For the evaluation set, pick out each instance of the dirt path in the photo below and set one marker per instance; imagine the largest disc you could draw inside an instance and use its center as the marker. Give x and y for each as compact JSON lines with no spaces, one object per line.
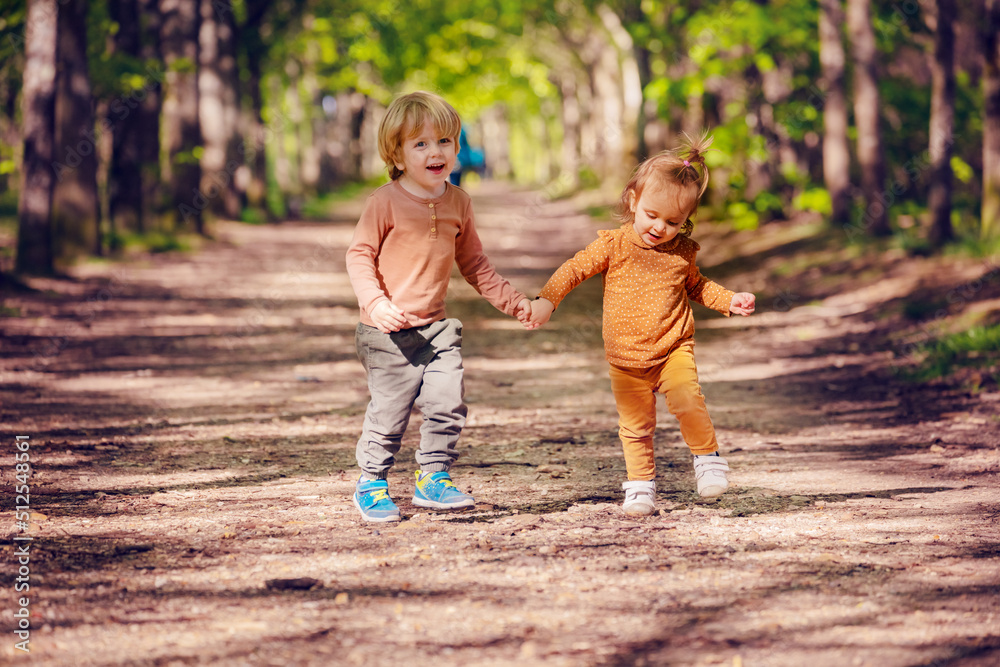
{"x":192,"y":422}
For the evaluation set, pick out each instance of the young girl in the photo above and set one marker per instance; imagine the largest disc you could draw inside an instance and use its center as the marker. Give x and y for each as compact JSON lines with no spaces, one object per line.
{"x":649,"y":277}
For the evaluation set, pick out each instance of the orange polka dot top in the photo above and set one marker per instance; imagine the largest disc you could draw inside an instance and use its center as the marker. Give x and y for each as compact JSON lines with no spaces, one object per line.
{"x":646,"y":293}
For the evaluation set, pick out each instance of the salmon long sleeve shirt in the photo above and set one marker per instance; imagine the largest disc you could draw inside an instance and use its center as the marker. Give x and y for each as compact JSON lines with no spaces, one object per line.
{"x":646,"y":293}
{"x":405,"y":246}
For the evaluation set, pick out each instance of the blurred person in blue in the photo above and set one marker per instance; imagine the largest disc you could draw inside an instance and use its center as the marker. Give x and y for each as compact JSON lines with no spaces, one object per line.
{"x":469,"y":159}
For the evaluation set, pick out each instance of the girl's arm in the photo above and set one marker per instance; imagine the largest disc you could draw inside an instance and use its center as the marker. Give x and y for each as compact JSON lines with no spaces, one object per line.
{"x":708,"y":293}
{"x":590,"y":261}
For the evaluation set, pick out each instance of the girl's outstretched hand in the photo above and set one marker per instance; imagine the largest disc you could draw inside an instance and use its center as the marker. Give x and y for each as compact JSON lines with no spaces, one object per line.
{"x":743,"y":304}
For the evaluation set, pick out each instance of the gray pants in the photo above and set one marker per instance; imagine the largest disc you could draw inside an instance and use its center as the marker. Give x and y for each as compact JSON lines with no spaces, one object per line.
{"x":419,"y":367}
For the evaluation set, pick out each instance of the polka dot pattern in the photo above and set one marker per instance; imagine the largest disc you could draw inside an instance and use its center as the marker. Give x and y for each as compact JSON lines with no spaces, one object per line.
{"x":647,"y":293}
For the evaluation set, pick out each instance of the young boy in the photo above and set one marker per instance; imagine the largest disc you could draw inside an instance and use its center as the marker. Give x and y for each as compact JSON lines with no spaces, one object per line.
{"x":411,"y":232}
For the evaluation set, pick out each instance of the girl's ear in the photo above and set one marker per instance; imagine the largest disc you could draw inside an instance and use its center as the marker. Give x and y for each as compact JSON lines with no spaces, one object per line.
{"x":631,"y":201}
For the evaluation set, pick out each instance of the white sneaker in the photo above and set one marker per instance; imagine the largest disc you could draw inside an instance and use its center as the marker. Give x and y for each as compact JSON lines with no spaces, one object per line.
{"x":640,"y":497}
{"x":710,"y":474}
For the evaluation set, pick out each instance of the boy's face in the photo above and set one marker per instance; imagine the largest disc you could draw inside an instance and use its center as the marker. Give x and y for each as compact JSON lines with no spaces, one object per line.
{"x":660,"y":212}
{"x":427,"y":160}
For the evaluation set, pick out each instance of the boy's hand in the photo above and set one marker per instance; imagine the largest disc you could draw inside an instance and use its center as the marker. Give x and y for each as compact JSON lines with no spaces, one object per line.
{"x":743,"y":304}
{"x":387,"y":316}
{"x":523,"y":314}
{"x":541,"y":311}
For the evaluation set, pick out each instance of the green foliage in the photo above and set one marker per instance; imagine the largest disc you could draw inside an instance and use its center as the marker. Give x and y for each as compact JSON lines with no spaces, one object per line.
{"x":8,"y":203}
{"x":154,"y":242}
{"x":768,"y":204}
{"x":324,"y":206}
{"x":979,"y":347}
{"x":814,"y":199}
{"x":253,"y":216}
{"x":588,"y":178}
{"x":963,"y":170}
{"x":749,"y":70}
{"x":742,"y":215}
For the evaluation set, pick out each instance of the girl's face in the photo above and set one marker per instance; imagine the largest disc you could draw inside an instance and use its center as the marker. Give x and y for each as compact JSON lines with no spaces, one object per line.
{"x":661,"y":211}
{"x":427,"y":160}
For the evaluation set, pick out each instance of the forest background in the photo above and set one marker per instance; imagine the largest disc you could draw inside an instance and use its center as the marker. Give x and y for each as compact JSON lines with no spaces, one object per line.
{"x":136,"y":123}
{"x":141,"y":120}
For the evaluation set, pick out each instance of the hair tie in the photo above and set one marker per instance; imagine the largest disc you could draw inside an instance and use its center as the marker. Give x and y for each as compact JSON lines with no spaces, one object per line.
{"x":686,"y":163}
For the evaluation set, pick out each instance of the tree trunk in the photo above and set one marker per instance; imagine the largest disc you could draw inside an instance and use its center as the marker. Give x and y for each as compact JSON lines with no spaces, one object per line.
{"x":339,"y":161}
{"x":570,"y":110}
{"x":367,"y":121}
{"x":286,"y":174}
{"x":629,"y":89}
{"x":875,"y":219}
{"x":632,"y":14}
{"x":254,"y":153}
{"x":34,"y":239}
{"x":148,"y":113}
{"x":309,"y":156}
{"x":942,"y":125}
{"x":218,"y":107}
{"x":76,"y":214}
{"x":496,"y":143}
{"x":181,"y":129}
{"x":836,"y":151}
{"x":990,"y":224}
{"x":763,"y":175}
{"x":125,"y":171}
{"x":256,"y":191}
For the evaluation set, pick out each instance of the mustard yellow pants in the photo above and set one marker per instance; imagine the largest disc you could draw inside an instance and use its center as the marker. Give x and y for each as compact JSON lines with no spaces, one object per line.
{"x":635,"y":392}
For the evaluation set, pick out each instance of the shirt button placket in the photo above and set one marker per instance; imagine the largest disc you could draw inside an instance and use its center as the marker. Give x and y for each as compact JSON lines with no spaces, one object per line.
{"x":433,"y":220}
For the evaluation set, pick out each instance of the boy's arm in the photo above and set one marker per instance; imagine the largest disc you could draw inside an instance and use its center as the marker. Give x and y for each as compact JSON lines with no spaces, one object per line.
{"x":362,"y":255}
{"x":478,"y":271}
{"x":588,"y":262}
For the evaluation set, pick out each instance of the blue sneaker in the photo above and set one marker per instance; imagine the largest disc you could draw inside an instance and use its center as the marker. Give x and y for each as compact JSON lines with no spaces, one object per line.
{"x":437,"y":491}
{"x":372,"y":499}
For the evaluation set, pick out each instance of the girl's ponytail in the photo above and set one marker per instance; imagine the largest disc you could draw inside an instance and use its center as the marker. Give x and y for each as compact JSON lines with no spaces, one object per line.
{"x":692,"y":154}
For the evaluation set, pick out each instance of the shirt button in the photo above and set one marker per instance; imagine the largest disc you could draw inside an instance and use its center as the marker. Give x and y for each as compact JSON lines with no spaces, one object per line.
{"x":434,"y":217}
{"x":431,"y":205}
{"x":434,"y":229}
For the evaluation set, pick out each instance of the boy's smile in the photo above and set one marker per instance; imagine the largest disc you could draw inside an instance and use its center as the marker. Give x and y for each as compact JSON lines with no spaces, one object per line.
{"x":427,"y":160}
{"x":661,"y":212}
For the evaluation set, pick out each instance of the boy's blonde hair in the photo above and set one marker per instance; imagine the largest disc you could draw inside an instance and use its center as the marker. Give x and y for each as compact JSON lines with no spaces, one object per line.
{"x":681,"y":167}
{"x":406,"y":117}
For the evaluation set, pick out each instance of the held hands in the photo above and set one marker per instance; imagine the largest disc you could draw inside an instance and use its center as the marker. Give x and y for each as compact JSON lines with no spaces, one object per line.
{"x":743,"y":304}
{"x":523,"y":313}
{"x":387,"y":316}
{"x":541,"y":311}
{"x":533,"y":314}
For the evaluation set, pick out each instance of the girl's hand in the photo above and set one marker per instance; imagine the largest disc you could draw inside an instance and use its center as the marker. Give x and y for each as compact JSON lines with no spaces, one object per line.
{"x":743,"y":304}
{"x":387,"y":316}
{"x":523,"y":314}
{"x":541,"y":311}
